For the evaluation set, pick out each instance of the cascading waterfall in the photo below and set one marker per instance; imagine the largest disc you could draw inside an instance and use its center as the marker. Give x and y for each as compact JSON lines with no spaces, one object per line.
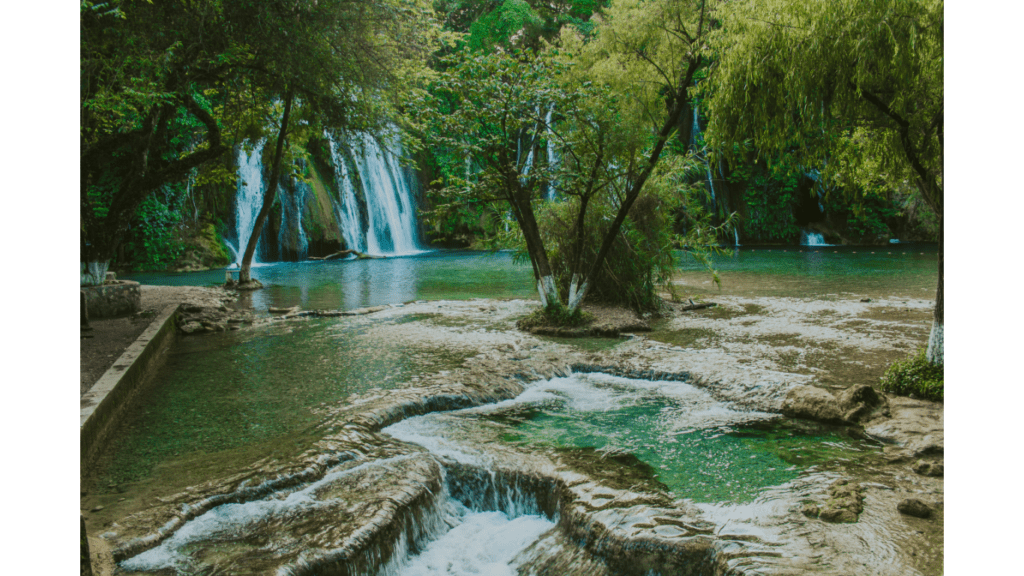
{"x":248,"y":200}
{"x":812,"y":239}
{"x":385,"y":223}
{"x":552,"y":155}
{"x":704,"y":159}
{"x":391,"y":218}
{"x":291,"y":211}
{"x":373,"y":207}
{"x":346,"y":207}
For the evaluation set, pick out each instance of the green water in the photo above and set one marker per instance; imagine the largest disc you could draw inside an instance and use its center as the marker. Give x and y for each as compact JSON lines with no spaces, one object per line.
{"x":348,"y":284}
{"x":673,"y":433}
{"x":255,"y":388}
{"x":902,"y":270}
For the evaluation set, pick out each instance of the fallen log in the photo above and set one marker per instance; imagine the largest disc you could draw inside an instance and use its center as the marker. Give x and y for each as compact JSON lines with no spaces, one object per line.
{"x":342,"y":254}
{"x":692,"y":306}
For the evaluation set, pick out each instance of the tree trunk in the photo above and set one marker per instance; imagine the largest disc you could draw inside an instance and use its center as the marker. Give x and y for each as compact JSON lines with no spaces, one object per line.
{"x":268,"y":196}
{"x":519,"y":200}
{"x":675,"y":113}
{"x":935,"y":339}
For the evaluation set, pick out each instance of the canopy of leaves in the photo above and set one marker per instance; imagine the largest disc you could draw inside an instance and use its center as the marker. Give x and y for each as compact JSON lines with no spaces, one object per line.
{"x":854,"y":87}
{"x":169,"y":86}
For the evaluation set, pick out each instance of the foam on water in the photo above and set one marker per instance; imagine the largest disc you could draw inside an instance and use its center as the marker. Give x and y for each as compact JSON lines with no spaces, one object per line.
{"x":484,"y":543}
{"x":688,"y":407}
{"x":231,"y":519}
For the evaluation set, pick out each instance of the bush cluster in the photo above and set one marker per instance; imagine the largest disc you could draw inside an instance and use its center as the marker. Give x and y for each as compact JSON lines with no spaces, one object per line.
{"x":555,"y":316}
{"x":914,"y":375}
{"x":641,"y":259}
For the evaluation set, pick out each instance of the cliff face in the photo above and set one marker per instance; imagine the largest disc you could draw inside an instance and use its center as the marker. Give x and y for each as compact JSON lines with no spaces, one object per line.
{"x":304,"y":222}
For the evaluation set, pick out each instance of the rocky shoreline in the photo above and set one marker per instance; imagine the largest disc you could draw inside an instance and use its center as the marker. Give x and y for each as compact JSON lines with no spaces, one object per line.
{"x":789,"y":356}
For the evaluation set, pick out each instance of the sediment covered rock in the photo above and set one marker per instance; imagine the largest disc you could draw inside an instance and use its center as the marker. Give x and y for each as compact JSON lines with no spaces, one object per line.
{"x":914,"y":507}
{"x":812,"y":403}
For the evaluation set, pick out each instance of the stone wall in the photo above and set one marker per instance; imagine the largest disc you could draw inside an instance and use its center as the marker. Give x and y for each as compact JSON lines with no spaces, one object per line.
{"x":112,"y":299}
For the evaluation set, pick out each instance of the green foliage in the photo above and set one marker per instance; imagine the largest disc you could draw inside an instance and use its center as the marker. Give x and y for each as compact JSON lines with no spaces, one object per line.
{"x":506,"y":26}
{"x":864,"y":220}
{"x":769,"y":199}
{"x":852,"y":87}
{"x":165,"y":85}
{"x":555,"y":316}
{"x":155,"y":242}
{"x":914,"y":375}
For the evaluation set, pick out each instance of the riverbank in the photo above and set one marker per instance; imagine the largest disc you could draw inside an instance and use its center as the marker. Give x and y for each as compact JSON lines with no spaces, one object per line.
{"x":100,"y":347}
{"x":748,"y":350}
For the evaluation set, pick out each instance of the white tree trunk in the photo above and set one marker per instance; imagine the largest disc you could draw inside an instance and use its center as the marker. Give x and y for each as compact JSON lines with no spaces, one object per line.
{"x":577,"y":290}
{"x":548,"y":292}
{"x":934,"y":353}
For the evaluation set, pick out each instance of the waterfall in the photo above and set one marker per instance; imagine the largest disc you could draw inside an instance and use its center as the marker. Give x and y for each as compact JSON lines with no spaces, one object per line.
{"x":704,"y":159}
{"x":291,"y":211}
{"x":346,"y":207}
{"x":812,"y":239}
{"x":248,"y":199}
{"x":374,"y":207}
{"x":552,"y":156}
{"x":391,"y":218}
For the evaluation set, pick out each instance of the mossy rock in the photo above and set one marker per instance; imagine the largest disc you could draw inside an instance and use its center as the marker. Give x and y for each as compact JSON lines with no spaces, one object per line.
{"x":205,"y":250}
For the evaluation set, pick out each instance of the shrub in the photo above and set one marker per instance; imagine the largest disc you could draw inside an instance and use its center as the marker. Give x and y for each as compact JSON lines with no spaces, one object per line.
{"x":914,"y":375}
{"x":641,"y":259}
{"x":559,"y":316}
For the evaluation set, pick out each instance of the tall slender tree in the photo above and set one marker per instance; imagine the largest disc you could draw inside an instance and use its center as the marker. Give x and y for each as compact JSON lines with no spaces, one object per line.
{"x":636,"y":75}
{"x":344,"y":63}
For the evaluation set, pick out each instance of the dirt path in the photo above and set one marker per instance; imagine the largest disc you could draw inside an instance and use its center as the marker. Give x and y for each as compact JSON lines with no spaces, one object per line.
{"x":100,"y":347}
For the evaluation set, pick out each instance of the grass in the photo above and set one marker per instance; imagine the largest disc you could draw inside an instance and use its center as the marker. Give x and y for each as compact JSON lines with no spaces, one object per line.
{"x":914,"y":375}
{"x":555,"y":316}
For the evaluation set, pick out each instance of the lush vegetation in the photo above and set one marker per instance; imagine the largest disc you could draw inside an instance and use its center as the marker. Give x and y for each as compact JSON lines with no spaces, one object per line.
{"x":653,"y":125}
{"x":168,"y":88}
{"x":914,"y":375}
{"x":852,"y":89}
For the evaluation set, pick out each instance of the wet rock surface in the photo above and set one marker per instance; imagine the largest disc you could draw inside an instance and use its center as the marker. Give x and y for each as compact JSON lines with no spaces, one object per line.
{"x":927,"y":468}
{"x":845,"y":502}
{"x":356,"y":489}
{"x":812,"y":403}
{"x":208,"y":317}
{"x":914,"y":507}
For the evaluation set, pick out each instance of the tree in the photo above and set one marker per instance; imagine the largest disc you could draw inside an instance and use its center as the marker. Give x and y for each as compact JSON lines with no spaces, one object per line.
{"x":147,"y":115}
{"x":495,"y":108}
{"x":647,"y":53}
{"x":491,"y":108}
{"x":851,"y":87}
{"x":163,"y":83}
{"x":342,"y":62}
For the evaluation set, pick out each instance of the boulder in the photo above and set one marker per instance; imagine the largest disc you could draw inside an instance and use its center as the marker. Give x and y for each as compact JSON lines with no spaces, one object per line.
{"x":926,"y":468}
{"x":914,"y":507}
{"x":860,"y":394}
{"x":845,"y":502}
{"x":837,"y":515}
{"x":812,"y":403}
{"x":860,"y":402}
{"x":810,"y":510}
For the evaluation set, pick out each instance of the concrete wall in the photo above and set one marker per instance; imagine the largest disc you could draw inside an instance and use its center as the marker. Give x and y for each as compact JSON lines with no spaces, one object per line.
{"x":112,"y":300}
{"x":104,"y":403}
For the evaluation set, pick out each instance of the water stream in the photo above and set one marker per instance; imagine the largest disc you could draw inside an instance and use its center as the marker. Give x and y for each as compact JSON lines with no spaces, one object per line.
{"x":246,"y":453}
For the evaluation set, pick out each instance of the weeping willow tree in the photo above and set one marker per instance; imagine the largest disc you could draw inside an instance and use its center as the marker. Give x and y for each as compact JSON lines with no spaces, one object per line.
{"x":853,"y":88}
